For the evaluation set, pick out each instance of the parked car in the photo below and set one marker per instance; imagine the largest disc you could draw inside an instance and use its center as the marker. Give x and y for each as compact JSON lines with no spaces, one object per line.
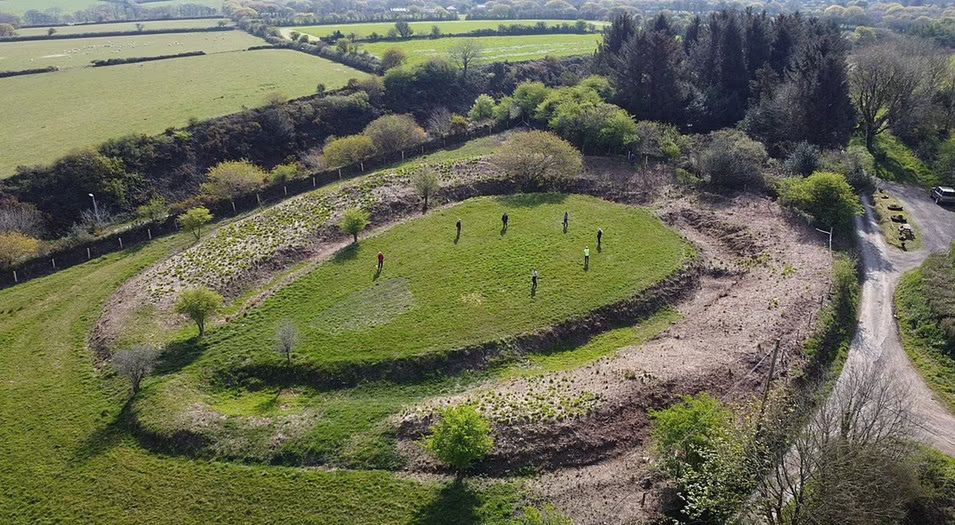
{"x":943,"y":195}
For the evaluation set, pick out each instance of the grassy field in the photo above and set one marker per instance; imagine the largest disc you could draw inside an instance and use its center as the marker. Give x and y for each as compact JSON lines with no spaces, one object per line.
{"x":925,"y":302}
{"x":198,"y":23}
{"x":65,"y":457}
{"x":890,"y":230}
{"x":18,"y":7}
{"x":81,"y":52}
{"x":348,"y":313}
{"x":495,"y":48}
{"x":448,"y":27}
{"x":894,"y":161}
{"x":56,"y":112}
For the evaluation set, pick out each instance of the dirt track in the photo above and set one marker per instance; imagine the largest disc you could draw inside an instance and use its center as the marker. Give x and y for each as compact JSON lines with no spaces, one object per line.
{"x":877,"y":343}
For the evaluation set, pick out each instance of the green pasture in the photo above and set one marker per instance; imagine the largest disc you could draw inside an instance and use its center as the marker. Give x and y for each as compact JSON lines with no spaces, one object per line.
{"x":80,"y":52}
{"x":54,"y":113}
{"x":65,"y":456}
{"x":494,"y":48}
{"x":448,"y":27}
{"x":185,"y":23}
{"x":437,"y":294}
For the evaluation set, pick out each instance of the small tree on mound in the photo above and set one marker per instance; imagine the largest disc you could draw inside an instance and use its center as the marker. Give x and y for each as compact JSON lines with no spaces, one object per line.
{"x":425,"y":183}
{"x":199,"y":304}
{"x":392,"y":57}
{"x":286,"y":339}
{"x":539,"y":159}
{"x":461,"y":438}
{"x":194,"y":219}
{"x":135,"y":364}
{"x":354,"y":221}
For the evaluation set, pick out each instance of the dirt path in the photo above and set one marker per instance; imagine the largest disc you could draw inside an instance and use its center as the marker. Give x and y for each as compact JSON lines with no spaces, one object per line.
{"x":877,"y":343}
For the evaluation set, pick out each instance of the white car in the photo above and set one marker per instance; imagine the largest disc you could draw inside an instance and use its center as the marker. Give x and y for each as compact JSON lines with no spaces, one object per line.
{"x":943,"y":195}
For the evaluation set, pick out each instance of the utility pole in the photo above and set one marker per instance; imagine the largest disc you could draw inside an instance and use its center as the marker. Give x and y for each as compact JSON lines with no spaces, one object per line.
{"x":829,"y":233}
{"x":95,"y":207}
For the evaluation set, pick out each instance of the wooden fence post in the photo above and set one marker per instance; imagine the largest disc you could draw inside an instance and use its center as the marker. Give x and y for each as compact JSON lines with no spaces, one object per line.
{"x":339,"y":173}
{"x":149,"y":232}
{"x":285,"y":189}
{"x":233,"y":206}
{"x":362,"y":165}
{"x":88,"y":254}
{"x":15,"y":277}
{"x":120,"y":242}
{"x":313,"y":181}
{"x":53,"y":262}
{"x":402,"y":154}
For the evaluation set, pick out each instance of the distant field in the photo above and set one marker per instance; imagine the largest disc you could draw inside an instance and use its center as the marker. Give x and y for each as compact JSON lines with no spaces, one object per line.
{"x":447,"y":27}
{"x":496,"y":48}
{"x":55,"y":112}
{"x":81,"y":51}
{"x":19,"y":7}
{"x":122,"y":26}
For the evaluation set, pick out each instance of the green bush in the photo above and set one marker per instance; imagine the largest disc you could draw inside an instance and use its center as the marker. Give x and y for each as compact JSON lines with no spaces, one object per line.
{"x":395,"y":133}
{"x":683,"y":433}
{"x":353,"y":222}
{"x":231,"y":179}
{"x":347,"y":150}
{"x":482,"y":109}
{"x":539,"y":159}
{"x":825,"y":196}
{"x":461,"y":438}
{"x":732,"y":160}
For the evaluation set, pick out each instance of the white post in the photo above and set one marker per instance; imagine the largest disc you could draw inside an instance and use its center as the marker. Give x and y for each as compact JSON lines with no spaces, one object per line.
{"x":362,"y":164}
{"x":233,"y":206}
{"x":53,"y":262}
{"x":313,"y":182}
{"x":15,"y":277}
{"x":120,"y":243}
{"x":149,"y":232}
{"x":285,"y":189}
{"x":88,"y":255}
{"x":258,"y":199}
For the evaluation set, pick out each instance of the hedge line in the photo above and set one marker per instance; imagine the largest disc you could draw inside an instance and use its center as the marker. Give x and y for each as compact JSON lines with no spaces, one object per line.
{"x":48,"y":69}
{"x":27,"y":38}
{"x":133,"y":60}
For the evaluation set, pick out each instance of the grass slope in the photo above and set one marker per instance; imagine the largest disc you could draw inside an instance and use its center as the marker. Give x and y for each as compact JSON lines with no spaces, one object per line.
{"x":923,"y":337}
{"x":80,"y":52}
{"x":438,"y":295}
{"x":64,"y":455}
{"x":448,"y":27}
{"x":495,"y":48}
{"x":136,"y":98}
{"x":185,"y":23}
{"x":894,"y":161}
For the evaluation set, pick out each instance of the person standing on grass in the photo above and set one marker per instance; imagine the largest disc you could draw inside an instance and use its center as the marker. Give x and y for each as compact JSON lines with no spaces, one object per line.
{"x":533,"y":282}
{"x":600,"y":236}
{"x":381,"y":261}
{"x":586,"y":258}
{"x":566,"y":221}
{"x":504,"y":221}
{"x":458,"y":226}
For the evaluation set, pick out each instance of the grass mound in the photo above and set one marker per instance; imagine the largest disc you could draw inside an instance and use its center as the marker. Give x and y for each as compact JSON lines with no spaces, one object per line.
{"x":437,"y":293}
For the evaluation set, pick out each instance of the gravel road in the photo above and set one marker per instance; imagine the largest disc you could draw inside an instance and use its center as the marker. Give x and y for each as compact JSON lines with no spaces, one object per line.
{"x":877,"y":343}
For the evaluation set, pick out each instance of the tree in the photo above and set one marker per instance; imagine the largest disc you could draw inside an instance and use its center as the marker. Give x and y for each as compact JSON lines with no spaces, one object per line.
{"x":683,"y":432}
{"x":21,"y":217}
{"x":285,"y":172}
{"x":395,"y":132}
{"x":425,"y":183}
{"x":51,"y":31}
{"x":7,"y":30}
{"x":15,"y":247}
{"x":194,"y":219}
{"x":348,"y":150}
{"x":198,"y":304}
{"x":135,"y":364}
{"x":353,"y":222}
{"x":461,"y":438}
{"x":234,"y":178}
{"x":733,"y":160}
{"x":392,"y":57}
{"x":826,"y":196}
{"x":153,"y":211}
{"x":803,"y":160}
{"x":465,"y":53}
{"x":403,"y":29}
{"x":888,"y":80}
{"x":649,"y":77}
{"x":539,"y":159}
{"x":439,"y":122}
{"x":483,"y":108}
{"x":286,"y":339}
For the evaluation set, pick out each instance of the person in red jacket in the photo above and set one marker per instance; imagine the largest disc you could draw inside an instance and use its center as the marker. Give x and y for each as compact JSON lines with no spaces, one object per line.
{"x":381,"y":260}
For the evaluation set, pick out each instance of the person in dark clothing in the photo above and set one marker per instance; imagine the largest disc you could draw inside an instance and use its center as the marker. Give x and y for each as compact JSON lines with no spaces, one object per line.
{"x":504,"y":220}
{"x":566,"y":221}
{"x":534,"y":282}
{"x":600,"y":236}
{"x":381,"y":261}
{"x":458,"y":226}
